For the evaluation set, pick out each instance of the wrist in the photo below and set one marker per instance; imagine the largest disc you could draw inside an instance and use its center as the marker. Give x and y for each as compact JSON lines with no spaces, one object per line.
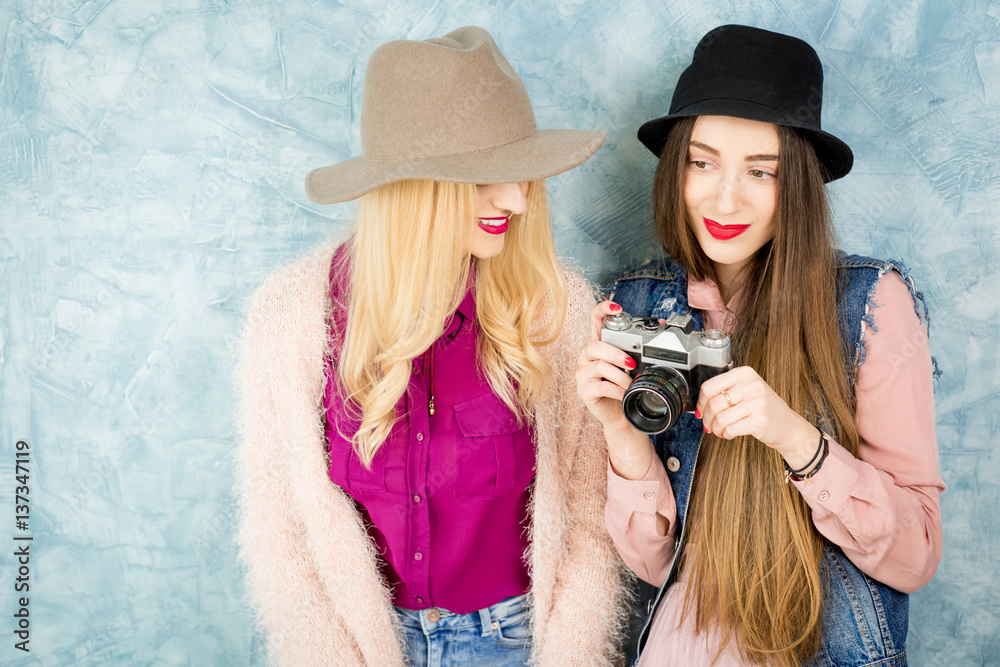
{"x":800,"y":447}
{"x":629,"y":452}
{"x":811,"y":467}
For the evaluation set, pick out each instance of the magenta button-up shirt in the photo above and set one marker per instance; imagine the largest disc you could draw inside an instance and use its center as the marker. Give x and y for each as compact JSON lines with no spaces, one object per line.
{"x":447,"y":494}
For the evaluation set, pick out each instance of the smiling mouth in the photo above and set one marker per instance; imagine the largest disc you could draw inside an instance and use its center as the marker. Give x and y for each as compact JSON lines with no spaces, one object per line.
{"x":724,"y":232}
{"x":495,"y":225}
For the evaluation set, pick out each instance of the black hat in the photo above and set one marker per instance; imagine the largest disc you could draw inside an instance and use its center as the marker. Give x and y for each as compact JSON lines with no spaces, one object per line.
{"x":758,"y":75}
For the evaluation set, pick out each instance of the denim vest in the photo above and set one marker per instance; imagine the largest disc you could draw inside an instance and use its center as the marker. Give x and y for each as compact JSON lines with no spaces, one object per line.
{"x":865,"y":622}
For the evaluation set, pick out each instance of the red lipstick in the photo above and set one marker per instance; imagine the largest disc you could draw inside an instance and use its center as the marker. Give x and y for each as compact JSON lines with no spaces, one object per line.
{"x":495,"y":227}
{"x":724,"y":232}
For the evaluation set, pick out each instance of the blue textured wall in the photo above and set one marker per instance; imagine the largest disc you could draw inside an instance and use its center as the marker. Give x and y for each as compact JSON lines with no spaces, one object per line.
{"x":153,"y":155}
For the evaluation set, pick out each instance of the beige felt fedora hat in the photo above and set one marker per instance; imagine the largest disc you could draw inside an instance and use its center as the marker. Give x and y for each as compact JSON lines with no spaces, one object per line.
{"x":448,"y":109}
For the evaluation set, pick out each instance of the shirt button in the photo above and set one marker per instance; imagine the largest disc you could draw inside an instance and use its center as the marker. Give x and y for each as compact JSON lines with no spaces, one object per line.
{"x":420,"y":600}
{"x":420,"y":437}
{"x":673,"y":464}
{"x":417,"y":498}
{"x":824,"y":495}
{"x":433,"y":615}
{"x":418,"y":556}
{"x":648,"y":495}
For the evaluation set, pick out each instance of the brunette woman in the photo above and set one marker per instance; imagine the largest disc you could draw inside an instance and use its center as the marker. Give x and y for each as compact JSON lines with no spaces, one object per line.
{"x":788,"y":516}
{"x":414,"y":460}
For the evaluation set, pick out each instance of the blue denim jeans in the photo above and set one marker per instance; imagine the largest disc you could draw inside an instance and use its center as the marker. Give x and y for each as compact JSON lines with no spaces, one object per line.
{"x":498,"y":635}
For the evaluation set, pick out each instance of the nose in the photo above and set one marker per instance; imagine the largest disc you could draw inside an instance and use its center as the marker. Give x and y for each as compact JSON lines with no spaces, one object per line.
{"x":511,"y":197}
{"x":729,"y":196}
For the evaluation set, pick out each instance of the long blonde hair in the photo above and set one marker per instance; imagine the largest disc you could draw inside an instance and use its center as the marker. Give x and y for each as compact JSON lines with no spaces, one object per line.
{"x":409,"y":270}
{"x":753,"y":562}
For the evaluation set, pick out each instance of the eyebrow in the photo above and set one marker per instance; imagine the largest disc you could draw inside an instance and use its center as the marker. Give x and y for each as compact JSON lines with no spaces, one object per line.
{"x":759,"y":157}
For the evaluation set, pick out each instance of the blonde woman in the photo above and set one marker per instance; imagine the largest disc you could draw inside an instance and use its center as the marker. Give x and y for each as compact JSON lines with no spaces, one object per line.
{"x":788,"y":514}
{"x":418,"y":482}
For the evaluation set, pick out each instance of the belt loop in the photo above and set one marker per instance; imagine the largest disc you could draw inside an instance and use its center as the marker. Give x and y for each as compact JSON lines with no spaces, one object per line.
{"x":486,"y":622}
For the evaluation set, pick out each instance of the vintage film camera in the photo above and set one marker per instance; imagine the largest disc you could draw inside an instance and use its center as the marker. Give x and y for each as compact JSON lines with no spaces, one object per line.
{"x":672,"y":360}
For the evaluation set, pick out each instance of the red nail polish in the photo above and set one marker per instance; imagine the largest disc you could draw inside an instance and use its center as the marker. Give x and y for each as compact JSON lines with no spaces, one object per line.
{"x":614,"y":307}
{"x":697,"y":413}
{"x":630,"y":362}
{"x":706,"y":428}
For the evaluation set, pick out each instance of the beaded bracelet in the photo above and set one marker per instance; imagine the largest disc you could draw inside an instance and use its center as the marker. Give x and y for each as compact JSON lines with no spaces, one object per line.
{"x":821,"y":452}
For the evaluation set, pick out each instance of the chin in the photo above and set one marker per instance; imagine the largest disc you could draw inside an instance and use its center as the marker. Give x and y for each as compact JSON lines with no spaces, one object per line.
{"x":485,"y":255}
{"x":492,"y":248}
{"x":722,"y":256}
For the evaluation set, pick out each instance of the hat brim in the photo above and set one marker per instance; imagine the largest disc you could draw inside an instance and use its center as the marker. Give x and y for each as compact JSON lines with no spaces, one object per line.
{"x":834,"y":155}
{"x":543,"y":154}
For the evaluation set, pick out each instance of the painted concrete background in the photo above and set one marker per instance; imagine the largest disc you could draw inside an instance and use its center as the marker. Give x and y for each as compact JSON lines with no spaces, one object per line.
{"x":153,"y":156}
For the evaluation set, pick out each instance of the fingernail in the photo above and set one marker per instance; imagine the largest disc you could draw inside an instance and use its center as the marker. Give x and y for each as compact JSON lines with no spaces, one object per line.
{"x":705,"y":427}
{"x":614,"y":307}
{"x":697,"y":413}
{"x":630,"y":362}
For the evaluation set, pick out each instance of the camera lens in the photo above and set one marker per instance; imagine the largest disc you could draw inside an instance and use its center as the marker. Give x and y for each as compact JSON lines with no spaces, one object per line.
{"x":651,"y":405}
{"x":655,"y":399}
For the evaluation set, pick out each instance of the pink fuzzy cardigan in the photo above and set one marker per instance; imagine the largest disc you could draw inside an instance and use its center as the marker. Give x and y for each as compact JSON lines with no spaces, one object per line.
{"x":311,"y":572}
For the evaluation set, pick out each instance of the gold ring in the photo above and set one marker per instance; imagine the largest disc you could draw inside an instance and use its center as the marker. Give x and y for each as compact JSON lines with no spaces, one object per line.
{"x":725,"y":394}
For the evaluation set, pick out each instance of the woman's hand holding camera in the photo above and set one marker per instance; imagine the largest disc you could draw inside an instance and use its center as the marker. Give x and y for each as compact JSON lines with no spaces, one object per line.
{"x":601,"y":381}
{"x":739,"y":402}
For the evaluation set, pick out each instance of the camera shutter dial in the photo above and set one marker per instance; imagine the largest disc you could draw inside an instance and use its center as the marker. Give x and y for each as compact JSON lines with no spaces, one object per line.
{"x":715,"y":338}
{"x":618,"y":322}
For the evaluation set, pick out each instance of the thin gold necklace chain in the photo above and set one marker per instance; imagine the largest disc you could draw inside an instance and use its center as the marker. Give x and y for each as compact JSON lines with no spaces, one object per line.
{"x":430,"y":389}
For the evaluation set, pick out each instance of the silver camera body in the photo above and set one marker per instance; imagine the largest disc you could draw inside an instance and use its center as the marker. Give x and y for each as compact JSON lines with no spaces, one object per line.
{"x":672,"y":361}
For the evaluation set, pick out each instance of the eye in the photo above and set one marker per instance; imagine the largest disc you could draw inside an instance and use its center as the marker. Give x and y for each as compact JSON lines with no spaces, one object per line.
{"x":761,"y":175}
{"x":699,"y":164}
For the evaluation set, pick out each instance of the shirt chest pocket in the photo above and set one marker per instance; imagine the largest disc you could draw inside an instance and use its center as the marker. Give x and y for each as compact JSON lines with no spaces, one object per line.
{"x":495,"y":455}
{"x":349,"y":473}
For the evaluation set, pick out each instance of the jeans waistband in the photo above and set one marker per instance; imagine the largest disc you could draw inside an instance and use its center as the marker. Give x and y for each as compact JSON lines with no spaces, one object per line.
{"x":484,"y":617}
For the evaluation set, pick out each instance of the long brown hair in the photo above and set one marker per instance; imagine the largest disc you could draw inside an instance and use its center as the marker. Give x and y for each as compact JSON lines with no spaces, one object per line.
{"x":752,"y":564}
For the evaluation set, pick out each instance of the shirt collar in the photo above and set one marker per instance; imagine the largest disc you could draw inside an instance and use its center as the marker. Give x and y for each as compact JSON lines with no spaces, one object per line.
{"x":705,"y":295}
{"x":466,"y":310}
{"x":467,"y":307}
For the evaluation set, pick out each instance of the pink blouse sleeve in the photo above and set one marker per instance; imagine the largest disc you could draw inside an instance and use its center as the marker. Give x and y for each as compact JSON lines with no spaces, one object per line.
{"x":630,"y":515}
{"x":884,"y":509}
